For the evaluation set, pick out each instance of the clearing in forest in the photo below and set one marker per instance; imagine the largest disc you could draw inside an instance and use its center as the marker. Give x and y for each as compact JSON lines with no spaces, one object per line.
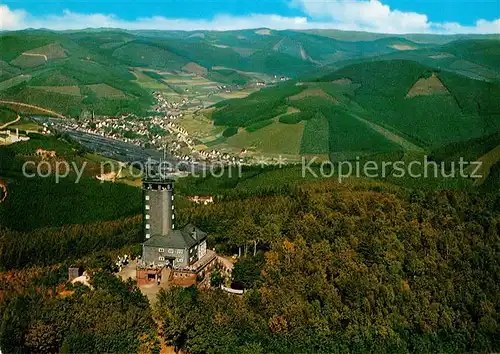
{"x":314,"y":91}
{"x":427,"y":86}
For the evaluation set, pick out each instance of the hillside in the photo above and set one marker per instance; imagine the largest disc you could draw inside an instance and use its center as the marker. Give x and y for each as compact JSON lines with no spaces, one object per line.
{"x":475,"y":58}
{"x":347,"y":268}
{"x":378,"y":106}
{"x":48,"y":202}
{"x":54,"y":69}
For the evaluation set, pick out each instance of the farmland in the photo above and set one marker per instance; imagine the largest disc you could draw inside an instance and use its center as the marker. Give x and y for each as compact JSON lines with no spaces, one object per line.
{"x":268,"y":91}
{"x":274,"y":138}
{"x":386,"y":107}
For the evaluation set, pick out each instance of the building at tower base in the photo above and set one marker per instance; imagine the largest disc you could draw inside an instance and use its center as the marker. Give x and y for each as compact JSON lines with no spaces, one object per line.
{"x":182,"y":252}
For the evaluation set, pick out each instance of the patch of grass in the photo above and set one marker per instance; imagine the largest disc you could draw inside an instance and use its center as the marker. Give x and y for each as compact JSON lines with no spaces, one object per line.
{"x":469,"y":150}
{"x":66,"y":202}
{"x":149,"y":55}
{"x":52,"y":78}
{"x":230,"y":77}
{"x":28,"y":61}
{"x":52,"y":51}
{"x":107,"y":91}
{"x":274,"y":138}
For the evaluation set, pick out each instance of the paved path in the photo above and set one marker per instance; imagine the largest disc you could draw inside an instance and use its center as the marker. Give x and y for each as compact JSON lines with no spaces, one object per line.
{"x":35,"y":107}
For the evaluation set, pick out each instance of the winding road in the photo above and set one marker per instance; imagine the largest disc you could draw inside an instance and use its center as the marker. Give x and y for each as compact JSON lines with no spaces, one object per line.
{"x":34,"y":107}
{"x":10,"y":123}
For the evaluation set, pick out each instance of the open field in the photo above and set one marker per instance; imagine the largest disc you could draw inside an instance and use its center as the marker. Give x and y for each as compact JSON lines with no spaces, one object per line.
{"x":26,"y":61}
{"x":272,"y":139}
{"x":105,"y":90}
{"x":49,"y":51}
{"x":199,"y":126}
{"x":27,"y":108}
{"x":427,"y":86}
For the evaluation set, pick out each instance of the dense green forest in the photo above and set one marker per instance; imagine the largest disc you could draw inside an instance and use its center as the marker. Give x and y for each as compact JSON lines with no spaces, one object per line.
{"x":347,"y":268}
{"x":112,"y":317}
{"x":359,"y":266}
{"x":47,"y":202}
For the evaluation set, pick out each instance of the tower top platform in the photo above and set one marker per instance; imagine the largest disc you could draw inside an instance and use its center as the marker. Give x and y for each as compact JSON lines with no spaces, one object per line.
{"x":158,"y":171}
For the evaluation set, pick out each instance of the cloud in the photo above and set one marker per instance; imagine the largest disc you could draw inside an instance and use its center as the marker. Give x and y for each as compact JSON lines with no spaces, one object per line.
{"x":11,"y":19}
{"x":360,"y":15}
{"x":68,"y":20}
{"x":364,"y":15}
{"x":374,"y":16}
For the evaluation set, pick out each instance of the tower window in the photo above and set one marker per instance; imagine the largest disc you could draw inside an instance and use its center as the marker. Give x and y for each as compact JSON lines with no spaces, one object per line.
{"x":161,"y":258}
{"x":170,"y":250}
{"x":161,"y":250}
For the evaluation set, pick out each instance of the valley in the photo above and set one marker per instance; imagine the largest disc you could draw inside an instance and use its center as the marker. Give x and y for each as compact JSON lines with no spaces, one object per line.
{"x":298,"y":246}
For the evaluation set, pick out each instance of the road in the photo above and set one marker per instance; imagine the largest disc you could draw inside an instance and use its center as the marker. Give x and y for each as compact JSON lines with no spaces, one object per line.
{"x":34,"y":107}
{"x":36,"y":55}
{"x":10,"y":123}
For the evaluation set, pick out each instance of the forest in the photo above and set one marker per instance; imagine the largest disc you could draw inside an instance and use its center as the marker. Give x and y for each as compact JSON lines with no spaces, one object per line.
{"x":347,"y":269}
{"x":327,"y":267}
{"x":112,"y":317}
{"x":360,"y":266}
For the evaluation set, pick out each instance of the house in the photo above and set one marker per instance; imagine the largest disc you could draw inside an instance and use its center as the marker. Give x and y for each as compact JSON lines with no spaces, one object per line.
{"x":177,"y":249}
{"x":202,"y":200}
{"x":183,"y":251}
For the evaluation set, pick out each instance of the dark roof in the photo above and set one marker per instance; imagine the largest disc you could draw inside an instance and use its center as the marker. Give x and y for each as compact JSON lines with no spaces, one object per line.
{"x":185,"y":238}
{"x":194,"y":232}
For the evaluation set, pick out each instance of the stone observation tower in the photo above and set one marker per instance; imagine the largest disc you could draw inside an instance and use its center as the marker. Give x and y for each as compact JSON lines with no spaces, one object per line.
{"x":183,"y":250}
{"x":158,"y":201}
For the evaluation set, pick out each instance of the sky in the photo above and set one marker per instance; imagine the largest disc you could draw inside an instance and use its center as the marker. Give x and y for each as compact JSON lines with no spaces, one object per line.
{"x":383,"y":16}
